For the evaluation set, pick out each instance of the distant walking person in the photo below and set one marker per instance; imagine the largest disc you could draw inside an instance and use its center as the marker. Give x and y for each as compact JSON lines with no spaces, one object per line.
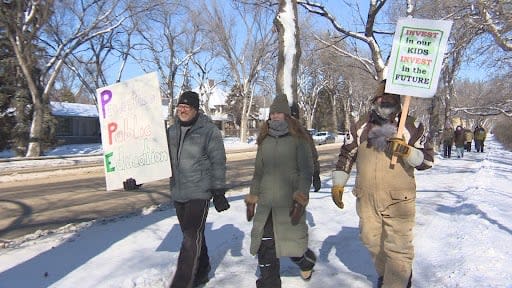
{"x":447,"y":142}
{"x":386,"y":197}
{"x":468,"y":137}
{"x":279,"y":195}
{"x":198,"y":174}
{"x":480,"y":135}
{"x":458,"y":138}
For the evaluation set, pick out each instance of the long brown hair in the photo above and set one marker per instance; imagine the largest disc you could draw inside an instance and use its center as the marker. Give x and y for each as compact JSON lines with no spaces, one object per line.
{"x":294,"y":128}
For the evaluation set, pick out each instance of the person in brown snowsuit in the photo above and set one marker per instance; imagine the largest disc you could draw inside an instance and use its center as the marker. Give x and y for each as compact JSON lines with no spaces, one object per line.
{"x":386,"y":196}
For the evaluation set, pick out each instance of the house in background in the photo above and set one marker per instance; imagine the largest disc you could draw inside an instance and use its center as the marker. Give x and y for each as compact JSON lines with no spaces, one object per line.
{"x":76,"y":123}
{"x":213,"y":103}
{"x":79,"y":123}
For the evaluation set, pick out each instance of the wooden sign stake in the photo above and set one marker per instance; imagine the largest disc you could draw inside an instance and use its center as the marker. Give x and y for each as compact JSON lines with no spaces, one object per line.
{"x":401,"y":126}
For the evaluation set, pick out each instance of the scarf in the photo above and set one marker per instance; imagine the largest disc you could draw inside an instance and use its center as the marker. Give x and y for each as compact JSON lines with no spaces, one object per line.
{"x":277,"y":128}
{"x":378,"y":136}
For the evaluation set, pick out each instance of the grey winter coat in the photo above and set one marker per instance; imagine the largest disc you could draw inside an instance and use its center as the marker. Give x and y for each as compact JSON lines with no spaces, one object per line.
{"x":201,"y":164}
{"x":284,"y":165}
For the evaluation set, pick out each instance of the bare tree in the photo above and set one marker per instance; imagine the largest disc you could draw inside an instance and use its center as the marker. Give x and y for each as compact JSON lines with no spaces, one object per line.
{"x":168,"y":46}
{"x":244,"y":57}
{"x":74,"y":23}
{"x":376,"y":64}
{"x":484,"y":100}
{"x":496,"y":19}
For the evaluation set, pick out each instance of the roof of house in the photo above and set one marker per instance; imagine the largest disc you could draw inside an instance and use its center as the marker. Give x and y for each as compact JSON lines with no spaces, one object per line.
{"x":66,"y":109}
{"x":217,"y":97}
{"x":73,"y":109}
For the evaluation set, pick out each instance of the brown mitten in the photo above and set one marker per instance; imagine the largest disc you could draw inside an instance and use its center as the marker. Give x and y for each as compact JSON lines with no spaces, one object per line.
{"x":300,"y":200}
{"x":296,"y":212}
{"x":399,"y":147}
{"x":337,"y":195}
{"x":250,"y":202}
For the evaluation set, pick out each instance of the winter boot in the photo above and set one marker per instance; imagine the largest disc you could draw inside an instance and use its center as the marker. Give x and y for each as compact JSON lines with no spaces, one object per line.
{"x":306,"y":264}
{"x":380,"y":281}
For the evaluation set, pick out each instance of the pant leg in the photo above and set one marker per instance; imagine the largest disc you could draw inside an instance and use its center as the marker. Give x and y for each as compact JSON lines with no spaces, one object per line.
{"x":193,"y":253}
{"x":398,"y":223}
{"x":268,"y":262}
{"x":459,"y":151}
{"x":203,"y":268}
{"x":478,"y":145}
{"x":370,"y":229}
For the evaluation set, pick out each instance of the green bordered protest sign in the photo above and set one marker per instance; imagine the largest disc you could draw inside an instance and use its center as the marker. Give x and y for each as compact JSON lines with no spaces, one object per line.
{"x":416,"y":56}
{"x":133,"y":131}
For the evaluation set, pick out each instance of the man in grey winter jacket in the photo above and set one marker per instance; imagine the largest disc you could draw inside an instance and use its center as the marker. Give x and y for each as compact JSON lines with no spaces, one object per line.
{"x":198,"y":162}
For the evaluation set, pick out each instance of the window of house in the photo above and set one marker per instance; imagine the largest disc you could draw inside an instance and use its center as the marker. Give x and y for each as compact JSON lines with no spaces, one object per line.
{"x":64,"y":126}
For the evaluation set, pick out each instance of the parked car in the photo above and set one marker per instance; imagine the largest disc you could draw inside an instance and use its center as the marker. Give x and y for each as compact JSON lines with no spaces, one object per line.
{"x":311,"y":131}
{"x":324,"y":137}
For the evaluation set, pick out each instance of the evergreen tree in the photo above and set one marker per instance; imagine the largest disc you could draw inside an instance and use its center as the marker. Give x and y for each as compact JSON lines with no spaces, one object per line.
{"x":7,"y":89}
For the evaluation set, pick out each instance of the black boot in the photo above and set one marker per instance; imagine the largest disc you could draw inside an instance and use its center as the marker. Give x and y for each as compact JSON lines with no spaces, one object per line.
{"x":306,"y":264}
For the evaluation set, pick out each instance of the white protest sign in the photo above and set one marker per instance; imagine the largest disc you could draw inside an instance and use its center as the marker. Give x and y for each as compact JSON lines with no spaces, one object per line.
{"x":133,"y":131}
{"x":416,"y":56}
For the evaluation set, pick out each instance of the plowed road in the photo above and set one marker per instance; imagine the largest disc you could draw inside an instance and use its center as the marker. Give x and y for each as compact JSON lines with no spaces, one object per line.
{"x":79,"y":195}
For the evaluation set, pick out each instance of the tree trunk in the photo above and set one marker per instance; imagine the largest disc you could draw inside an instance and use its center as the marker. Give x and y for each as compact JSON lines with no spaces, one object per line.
{"x":245,"y":113}
{"x":334,"y":112}
{"x":243,"y":128}
{"x":288,"y":58}
{"x":34,"y":144}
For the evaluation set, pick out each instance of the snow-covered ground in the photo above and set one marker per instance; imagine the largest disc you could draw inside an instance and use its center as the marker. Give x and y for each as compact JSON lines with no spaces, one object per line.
{"x":463,"y":236}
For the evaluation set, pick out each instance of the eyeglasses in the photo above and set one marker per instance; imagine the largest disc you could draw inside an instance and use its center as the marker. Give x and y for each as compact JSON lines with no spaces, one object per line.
{"x":184,"y":107}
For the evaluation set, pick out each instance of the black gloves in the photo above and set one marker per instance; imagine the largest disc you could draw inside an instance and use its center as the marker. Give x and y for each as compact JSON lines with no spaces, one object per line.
{"x":219,"y":200}
{"x":317,"y":184}
{"x":131,"y":184}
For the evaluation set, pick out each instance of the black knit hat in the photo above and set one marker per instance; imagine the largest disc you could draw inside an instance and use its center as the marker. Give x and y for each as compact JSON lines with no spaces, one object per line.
{"x":280,"y":104}
{"x":190,"y":98}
